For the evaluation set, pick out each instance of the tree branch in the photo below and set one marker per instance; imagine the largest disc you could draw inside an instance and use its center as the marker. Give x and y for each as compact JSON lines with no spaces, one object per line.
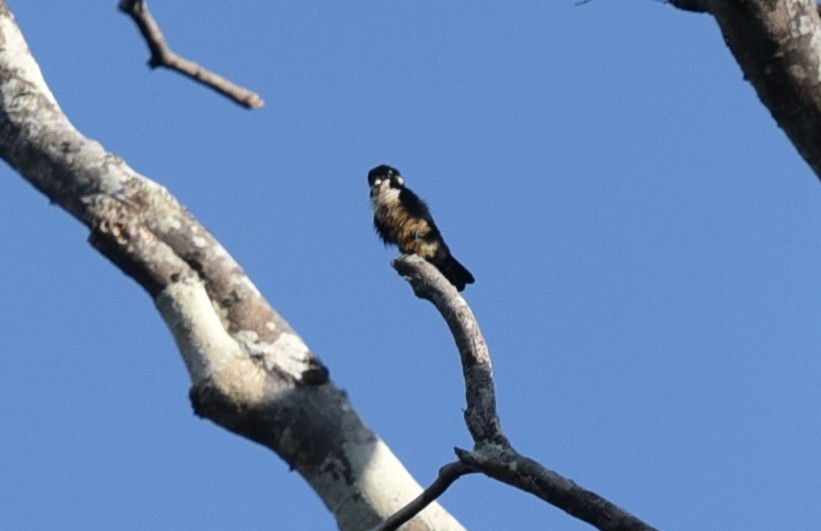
{"x":480,"y":415}
{"x":447,"y":475}
{"x":508,"y":466}
{"x":493,"y":455}
{"x":251,"y":373}
{"x":777,"y":44}
{"x":162,"y":55}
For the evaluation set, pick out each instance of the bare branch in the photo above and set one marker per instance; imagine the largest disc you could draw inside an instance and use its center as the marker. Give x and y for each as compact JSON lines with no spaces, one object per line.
{"x":493,"y":454}
{"x":508,"y":466}
{"x":447,"y":475}
{"x":776,"y":44}
{"x":428,"y":283}
{"x":250,"y":371}
{"x":162,"y":55}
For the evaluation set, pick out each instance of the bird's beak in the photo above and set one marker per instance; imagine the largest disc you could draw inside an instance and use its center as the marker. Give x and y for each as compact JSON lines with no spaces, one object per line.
{"x":377,"y":186}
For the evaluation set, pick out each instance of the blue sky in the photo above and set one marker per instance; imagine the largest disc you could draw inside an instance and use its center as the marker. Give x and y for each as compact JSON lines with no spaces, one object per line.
{"x":644,"y":238}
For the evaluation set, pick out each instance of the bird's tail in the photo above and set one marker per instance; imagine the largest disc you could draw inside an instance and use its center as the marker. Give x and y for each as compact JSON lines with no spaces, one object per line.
{"x":455,"y":272}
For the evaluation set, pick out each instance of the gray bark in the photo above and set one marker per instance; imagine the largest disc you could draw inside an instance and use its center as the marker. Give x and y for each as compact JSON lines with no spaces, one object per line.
{"x":250,"y":371}
{"x":777,"y":44}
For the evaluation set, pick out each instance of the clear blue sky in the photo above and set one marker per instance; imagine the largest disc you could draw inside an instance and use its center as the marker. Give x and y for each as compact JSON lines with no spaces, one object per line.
{"x":645,"y":241}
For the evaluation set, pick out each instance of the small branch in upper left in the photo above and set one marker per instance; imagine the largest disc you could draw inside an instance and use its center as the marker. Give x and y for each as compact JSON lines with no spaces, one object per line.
{"x":163,"y":55}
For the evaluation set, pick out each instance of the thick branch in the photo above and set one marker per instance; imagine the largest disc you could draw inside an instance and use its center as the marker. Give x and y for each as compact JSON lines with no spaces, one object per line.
{"x":251,"y":372}
{"x":777,"y":43}
{"x":163,"y":55}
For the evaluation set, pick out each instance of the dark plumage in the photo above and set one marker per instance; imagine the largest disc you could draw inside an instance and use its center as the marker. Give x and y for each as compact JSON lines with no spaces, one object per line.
{"x":401,"y":218}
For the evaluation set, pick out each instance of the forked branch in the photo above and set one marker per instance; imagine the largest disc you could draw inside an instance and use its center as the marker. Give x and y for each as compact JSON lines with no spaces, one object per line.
{"x":493,"y":454}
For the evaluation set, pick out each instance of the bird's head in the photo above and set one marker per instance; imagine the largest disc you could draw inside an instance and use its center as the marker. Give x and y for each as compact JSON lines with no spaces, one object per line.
{"x":383,"y":179}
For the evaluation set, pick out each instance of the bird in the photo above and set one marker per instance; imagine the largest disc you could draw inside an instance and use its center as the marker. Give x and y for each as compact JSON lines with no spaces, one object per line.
{"x":401,"y":218}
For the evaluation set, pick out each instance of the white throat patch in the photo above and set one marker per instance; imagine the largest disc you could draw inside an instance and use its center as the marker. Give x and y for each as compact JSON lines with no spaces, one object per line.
{"x":385,"y":196}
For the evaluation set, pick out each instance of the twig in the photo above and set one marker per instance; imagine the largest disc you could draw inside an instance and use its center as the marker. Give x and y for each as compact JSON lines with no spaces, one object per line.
{"x":447,"y":475}
{"x":493,"y":455}
{"x":162,"y":55}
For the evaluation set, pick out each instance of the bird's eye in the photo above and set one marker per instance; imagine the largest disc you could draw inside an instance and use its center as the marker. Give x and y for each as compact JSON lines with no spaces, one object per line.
{"x":377,"y":182}
{"x":400,"y":180}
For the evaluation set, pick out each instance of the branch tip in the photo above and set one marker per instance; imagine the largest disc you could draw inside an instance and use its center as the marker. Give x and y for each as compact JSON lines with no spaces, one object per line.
{"x":163,"y":56}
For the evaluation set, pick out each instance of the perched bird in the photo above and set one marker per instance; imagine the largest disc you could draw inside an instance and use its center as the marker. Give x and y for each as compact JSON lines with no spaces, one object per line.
{"x":402,"y":219}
